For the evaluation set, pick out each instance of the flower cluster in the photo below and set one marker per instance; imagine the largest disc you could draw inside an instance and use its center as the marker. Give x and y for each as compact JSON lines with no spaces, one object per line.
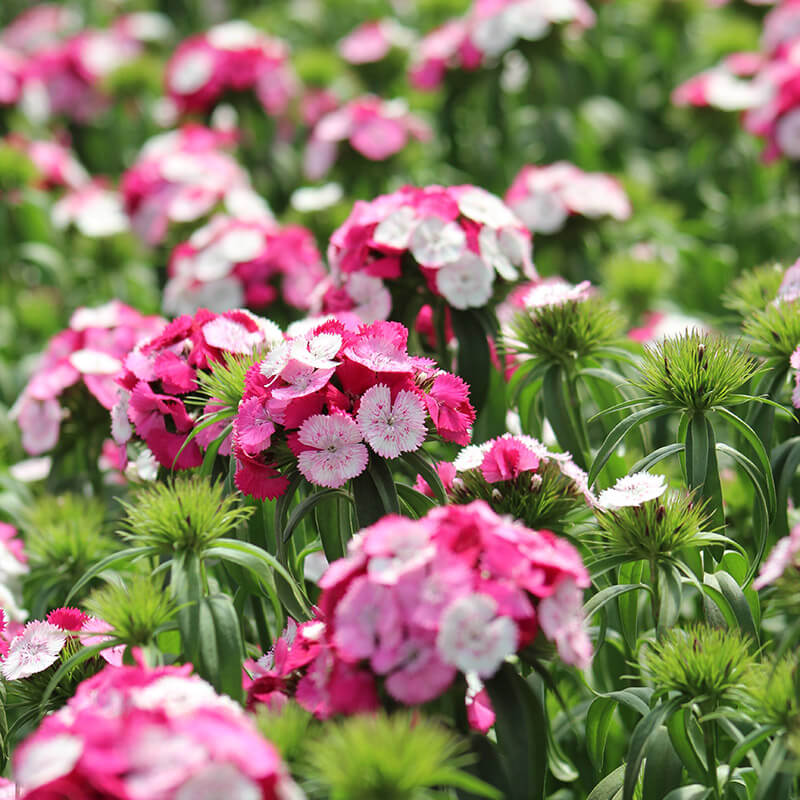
{"x":156,"y":733}
{"x":182,"y":175}
{"x":233,"y":56}
{"x":13,"y":565}
{"x":329,"y":397}
{"x":516,"y":475}
{"x":766,"y":85}
{"x":544,"y":197}
{"x":160,"y":373}
{"x":40,"y":644}
{"x":459,"y":237}
{"x":373,"y":127}
{"x":50,"y":68}
{"x":490,"y":28}
{"x":88,"y":354}
{"x":233,"y":262}
{"x":415,"y":603}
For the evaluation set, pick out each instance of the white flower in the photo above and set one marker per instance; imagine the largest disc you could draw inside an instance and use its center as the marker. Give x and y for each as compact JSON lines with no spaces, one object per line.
{"x":45,"y":760}
{"x":233,"y":35}
{"x":471,"y":457}
{"x":542,"y":212}
{"x":633,"y":490}
{"x":316,"y":198}
{"x":391,"y":428}
{"x":242,"y":244}
{"x":556,"y":293}
{"x":395,"y":231}
{"x":121,"y":429}
{"x":492,"y":253}
{"x":435,"y":242}
{"x":466,"y":283}
{"x":217,"y":781}
{"x":472,"y":638}
{"x":373,"y":300}
{"x":243,"y":203}
{"x":479,"y":205}
{"x":33,"y":650}
{"x":95,"y":362}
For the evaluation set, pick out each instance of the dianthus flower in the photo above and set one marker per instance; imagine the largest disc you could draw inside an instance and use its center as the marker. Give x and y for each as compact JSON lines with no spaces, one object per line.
{"x":516,"y":475}
{"x":417,"y":602}
{"x":545,"y":197}
{"x":13,"y":565}
{"x":12,"y":66}
{"x":162,"y":371}
{"x":373,"y":127}
{"x":486,"y":31}
{"x":633,"y":490}
{"x":161,"y":734}
{"x":452,"y":242}
{"x":232,"y":263}
{"x":332,"y":394}
{"x":39,"y":26}
{"x":732,"y":85}
{"x":232,"y":56}
{"x":64,"y":78}
{"x":181,"y":176}
{"x":93,"y":208}
{"x":56,"y":165}
{"x":372,"y":41}
{"x":782,"y":558}
{"x":88,"y":354}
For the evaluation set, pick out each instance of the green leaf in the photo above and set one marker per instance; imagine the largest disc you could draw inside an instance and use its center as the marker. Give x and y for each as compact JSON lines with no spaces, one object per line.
{"x":774,"y":780}
{"x":693,"y":792}
{"x":649,"y":461}
{"x":521,"y":736}
{"x":750,"y":742}
{"x":643,"y":735}
{"x":597,"y":601}
{"x":682,"y":729}
{"x":610,"y":786}
{"x":785,"y":461}
{"x":557,"y":410}
{"x":758,"y":448}
{"x":374,"y":493}
{"x":186,"y":585}
{"x":474,"y":358}
{"x":420,"y":465}
{"x":419,"y":504}
{"x":618,"y":433}
{"x":305,"y":506}
{"x":328,"y":516}
{"x":671,"y":591}
{"x":130,"y":554}
{"x":629,"y":603}
{"x":598,"y":724}
{"x":662,"y":769}
{"x":230,"y":647}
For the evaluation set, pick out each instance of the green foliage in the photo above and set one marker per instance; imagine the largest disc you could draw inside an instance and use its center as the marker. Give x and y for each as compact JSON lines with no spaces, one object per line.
{"x":290,"y":728}
{"x":136,"y":609}
{"x":753,"y":291}
{"x":774,"y":331}
{"x":396,"y":757}
{"x":223,"y":384}
{"x":694,"y":371}
{"x":701,"y":662}
{"x":188,"y":514}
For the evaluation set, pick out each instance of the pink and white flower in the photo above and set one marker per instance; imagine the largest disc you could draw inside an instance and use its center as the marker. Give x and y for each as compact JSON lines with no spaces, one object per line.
{"x":335,"y":453}
{"x":34,"y":650}
{"x":391,"y":427}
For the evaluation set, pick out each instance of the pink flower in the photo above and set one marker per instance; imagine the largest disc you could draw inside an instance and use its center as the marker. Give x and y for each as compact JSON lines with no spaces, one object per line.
{"x":336,"y":452}
{"x":391,"y":428}
{"x":781,"y":558}
{"x":68,"y":619}
{"x":91,"y":633}
{"x":506,"y":460}
{"x":255,"y":478}
{"x":448,"y":404}
{"x":561,"y":619}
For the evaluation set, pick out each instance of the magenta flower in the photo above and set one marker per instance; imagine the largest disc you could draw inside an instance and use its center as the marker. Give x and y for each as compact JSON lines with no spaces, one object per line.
{"x":506,"y":459}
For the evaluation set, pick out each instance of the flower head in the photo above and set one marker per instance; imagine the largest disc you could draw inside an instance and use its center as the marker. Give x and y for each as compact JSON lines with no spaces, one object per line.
{"x":391,"y":427}
{"x":335,"y":453}
{"x":34,"y":650}
{"x":633,"y":490}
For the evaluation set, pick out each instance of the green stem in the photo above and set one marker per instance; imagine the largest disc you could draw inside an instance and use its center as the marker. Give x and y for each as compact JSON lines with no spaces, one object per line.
{"x":655,"y":596}
{"x":710,"y":742}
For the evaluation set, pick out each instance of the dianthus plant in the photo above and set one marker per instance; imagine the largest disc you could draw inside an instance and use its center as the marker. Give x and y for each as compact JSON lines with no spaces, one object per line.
{"x":333,"y":407}
{"x":700,"y":377}
{"x":557,"y":338}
